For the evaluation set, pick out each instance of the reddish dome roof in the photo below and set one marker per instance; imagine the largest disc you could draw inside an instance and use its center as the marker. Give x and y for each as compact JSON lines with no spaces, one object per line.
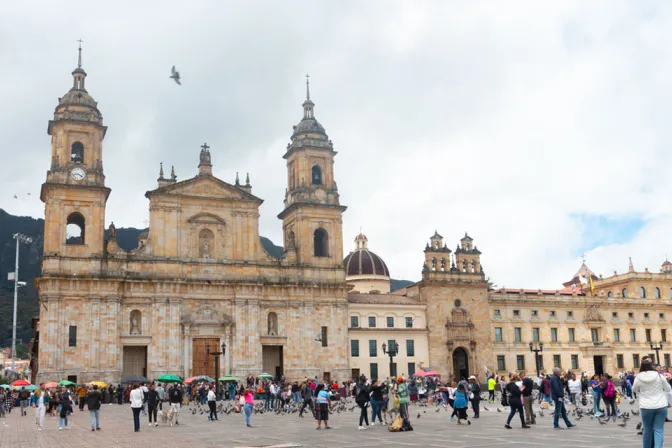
{"x":364,"y":262}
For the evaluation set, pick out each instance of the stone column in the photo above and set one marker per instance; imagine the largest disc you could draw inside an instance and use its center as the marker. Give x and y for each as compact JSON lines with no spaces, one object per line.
{"x":187,"y":352}
{"x":229,"y":349}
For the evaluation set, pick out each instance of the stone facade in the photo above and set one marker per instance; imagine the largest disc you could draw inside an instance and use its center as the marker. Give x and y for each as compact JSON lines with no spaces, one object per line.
{"x":377,"y":319}
{"x":199,"y":278}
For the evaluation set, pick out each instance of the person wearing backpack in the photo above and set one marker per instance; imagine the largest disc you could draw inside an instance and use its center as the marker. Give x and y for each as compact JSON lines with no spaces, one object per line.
{"x":362,"y":399}
{"x":609,"y":396}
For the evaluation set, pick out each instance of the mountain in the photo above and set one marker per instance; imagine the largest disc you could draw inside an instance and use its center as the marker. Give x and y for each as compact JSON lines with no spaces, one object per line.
{"x":30,"y":261}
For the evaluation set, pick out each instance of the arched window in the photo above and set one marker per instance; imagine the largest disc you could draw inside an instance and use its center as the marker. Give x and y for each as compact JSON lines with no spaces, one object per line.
{"x":624,"y":292}
{"x":657,"y":293}
{"x":206,"y":247}
{"x":433,"y":264}
{"x":473,"y":266}
{"x":321,"y":243}
{"x":610,"y":294}
{"x":464,"y":265}
{"x":75,"y":229}
{"x":443,"y":265}
{"x":77,"y":153}
{"x":135,"y":322}
{"x":272,"y":324}
{"x":317,"y":175}
{"x":642,"y":292}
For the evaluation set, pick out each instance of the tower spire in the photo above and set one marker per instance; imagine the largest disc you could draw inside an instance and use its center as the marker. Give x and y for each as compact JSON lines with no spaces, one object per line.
{"x":79,"y":75}
{"x":307,"y":86}
{"x":79,"y":59}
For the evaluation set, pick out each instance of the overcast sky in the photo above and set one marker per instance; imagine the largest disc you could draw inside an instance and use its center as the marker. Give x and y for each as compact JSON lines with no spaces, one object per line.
{"x":541,"y":128}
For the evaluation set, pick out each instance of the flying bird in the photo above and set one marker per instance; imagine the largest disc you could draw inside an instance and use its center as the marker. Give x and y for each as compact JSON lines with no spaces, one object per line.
{"x":175,"y":75}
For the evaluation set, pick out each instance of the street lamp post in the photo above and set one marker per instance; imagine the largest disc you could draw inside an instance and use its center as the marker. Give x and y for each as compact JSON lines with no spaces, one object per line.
{"x":657,"y":347}
{"x":392,"y":352}
{"x":216,"y":355}
{"x":536,"y":348}
{"x":20,"y":238}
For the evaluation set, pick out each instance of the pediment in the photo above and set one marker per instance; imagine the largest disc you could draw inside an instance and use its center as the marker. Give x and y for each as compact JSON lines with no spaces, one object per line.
{"x":206,"y":218}
{"x":206,"y":187}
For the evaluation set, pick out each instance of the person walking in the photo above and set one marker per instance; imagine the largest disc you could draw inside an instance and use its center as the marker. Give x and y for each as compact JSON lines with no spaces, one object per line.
{"x":65,"y":405}
{"x":81,"y":396}
{"x":93,"y":400}
{"x":597,"y":395}
{"x":651,"y":389}
{"x":39,"y":401}
{"x":24,"y":397}
{"x":175,"y":397}
{"x":376,"y":402}
{"x":491,"y":388}
{"x":323,"y":402}
{"x":362,"y":399}
{"x":248,"y":396}
{"x":212,"y":404}
{"x":475,"y":395}
{"x":136,"y":405}
{"x":153,"y":403}
{"x":558,"y":395}
{"x":528,"y":399}
{"x":515,"y":401}
{"x":574,"y":386}
{"x":460,"y":404}
{"x":307,"y":394}
{"x":609,"y":396}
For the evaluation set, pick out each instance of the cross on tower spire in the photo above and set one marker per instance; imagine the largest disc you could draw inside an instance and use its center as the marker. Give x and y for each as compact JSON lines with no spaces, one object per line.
{"x":307,"y":86}
{"x":79,"y":59}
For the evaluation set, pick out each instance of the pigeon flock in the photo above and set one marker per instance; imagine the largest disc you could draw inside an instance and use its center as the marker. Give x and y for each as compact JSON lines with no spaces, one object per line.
{"x":348,"y":405}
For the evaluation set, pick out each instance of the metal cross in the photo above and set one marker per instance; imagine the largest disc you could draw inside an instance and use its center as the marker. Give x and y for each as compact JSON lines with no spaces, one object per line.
{"x":583,"y":258}
{"x":80,"y":42}
{"x":205,"y":147}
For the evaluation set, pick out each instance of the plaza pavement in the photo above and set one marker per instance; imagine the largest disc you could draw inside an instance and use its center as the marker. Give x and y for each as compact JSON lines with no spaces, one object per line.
{"x":432,"y":429}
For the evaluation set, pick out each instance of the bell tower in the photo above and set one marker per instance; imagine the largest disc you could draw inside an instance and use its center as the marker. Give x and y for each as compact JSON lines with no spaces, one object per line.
{"x":312,"y":218}
{"x":74,"y":192}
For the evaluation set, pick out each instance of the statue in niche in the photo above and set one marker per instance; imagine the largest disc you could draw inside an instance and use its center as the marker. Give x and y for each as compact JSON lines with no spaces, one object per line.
{"x":112,"y":233}
{"x":136,"y":319}
{"x":272,"y":324}
{"x":205,"y":239}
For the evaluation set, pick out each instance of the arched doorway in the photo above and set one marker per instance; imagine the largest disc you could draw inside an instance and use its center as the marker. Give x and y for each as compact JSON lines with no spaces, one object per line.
{"x":460,"y":364}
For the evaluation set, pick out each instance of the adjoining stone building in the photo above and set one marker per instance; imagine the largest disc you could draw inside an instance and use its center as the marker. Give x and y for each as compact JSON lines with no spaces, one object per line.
{"x":200,"y":277}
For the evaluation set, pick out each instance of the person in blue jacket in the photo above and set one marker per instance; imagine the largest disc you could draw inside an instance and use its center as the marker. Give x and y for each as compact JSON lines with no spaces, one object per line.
{"x":558,"y":397}
{"x":39,"y":400}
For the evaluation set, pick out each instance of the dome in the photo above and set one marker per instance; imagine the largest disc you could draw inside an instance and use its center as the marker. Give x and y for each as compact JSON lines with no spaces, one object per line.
{"x":364,"y":262}
{"x":76,"y":97}
{"x":309,"y":126}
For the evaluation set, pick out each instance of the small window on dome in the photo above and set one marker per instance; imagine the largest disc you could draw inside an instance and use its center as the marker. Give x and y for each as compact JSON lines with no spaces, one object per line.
{"x":317,"y":175}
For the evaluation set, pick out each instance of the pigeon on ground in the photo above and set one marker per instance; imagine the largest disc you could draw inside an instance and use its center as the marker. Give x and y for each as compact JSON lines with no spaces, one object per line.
{"x":639,"y":425}
{"x":418,"y":415}
{"x":622,"y":425}
{"x":175,"y":75}
{"x":486,"y":408}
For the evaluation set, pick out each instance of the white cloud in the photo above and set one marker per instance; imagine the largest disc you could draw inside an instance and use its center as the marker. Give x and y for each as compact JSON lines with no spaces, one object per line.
{"x":502,"y":119}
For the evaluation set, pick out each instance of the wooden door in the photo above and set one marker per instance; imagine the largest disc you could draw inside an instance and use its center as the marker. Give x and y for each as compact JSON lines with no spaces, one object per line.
{"x":202,"y":363}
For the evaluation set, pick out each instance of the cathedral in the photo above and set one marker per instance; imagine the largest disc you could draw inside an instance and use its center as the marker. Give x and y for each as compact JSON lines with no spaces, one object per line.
{"x":200,"y":281}
{"x":200,"y":284}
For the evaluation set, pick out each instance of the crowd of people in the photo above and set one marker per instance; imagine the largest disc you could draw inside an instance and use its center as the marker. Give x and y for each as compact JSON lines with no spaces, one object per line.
{"x":379,"y":400}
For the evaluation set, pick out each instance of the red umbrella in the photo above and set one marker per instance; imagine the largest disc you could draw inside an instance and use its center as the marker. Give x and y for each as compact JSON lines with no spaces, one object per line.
{"x":189,"y":380}
{"x":20,"y":383}
{"x":50,"y":385}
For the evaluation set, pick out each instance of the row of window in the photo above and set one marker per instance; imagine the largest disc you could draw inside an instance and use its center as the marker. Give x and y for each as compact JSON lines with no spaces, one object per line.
{"x":571,"y":334}
{"x":354,"y":322}
{"x":373,"y":368}
{"x":570,"y":314}
{"x":642,"y":293}
{"x":373,"y":348}
{"x":520,"y":362}
{"x":574,"y":363}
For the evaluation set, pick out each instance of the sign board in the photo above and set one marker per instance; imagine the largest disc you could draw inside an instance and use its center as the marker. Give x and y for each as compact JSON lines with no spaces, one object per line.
{"x":10,"y":276}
